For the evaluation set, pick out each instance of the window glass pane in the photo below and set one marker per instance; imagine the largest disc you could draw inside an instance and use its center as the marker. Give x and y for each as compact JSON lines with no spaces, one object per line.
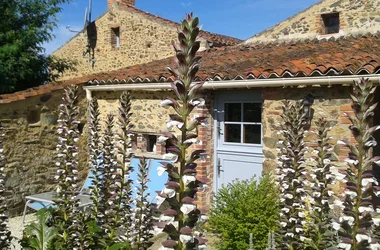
{"x":252,"y":134}
{"x":232,"y":133}
{"x":232,"y":112}
{"x":252,"y":112}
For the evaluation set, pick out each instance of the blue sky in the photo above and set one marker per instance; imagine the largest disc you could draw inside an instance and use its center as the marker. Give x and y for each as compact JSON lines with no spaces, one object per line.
{"x":237,"y":18}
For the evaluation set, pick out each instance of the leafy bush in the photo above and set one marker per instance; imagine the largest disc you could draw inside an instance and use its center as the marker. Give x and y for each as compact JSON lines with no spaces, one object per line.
{"x":244,"y":207}
{"x":40,"y":234}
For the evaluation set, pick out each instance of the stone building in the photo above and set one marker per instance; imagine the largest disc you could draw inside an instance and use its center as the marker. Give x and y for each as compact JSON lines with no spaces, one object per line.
{"x":244,"y":88}
{"x":125,"y":36}
{"x":327,"y":18}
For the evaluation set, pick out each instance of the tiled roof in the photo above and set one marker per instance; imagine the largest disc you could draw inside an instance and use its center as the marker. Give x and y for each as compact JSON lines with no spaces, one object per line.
{"x":211,"y":37}
{"x":345,"y":56}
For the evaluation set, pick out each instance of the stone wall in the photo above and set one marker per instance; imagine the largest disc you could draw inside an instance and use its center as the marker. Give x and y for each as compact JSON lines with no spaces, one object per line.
{"x":361,"y":16}
{"x":149,"y":118}
{"x":29,"y":146}
{"x":141,"y":40}
{"x":330,"y":103}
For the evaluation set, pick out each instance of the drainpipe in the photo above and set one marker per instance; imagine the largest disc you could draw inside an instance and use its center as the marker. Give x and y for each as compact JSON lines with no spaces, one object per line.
{"x":239,"y":84}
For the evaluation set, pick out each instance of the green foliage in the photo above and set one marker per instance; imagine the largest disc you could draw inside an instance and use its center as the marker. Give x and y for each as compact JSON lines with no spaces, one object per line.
{"x":40,"y":234}
{"x":244,"y":207}
{"x":25,"y":26}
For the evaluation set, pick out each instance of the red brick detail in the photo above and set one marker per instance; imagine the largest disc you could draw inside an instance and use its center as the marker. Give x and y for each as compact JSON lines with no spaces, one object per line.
{"x":141,"y":143}
{"x":160,"y":148}
{"x":121,"y":3}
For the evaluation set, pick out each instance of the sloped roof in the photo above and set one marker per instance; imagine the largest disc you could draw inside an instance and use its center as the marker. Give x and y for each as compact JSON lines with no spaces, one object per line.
{"x":344,"y":56}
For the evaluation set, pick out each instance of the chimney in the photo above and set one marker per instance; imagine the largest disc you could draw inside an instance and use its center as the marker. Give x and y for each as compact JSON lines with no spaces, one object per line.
{"x":121,"y":3}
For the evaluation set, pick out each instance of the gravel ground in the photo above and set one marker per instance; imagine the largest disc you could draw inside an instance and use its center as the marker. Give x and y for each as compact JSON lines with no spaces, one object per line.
{"x":16,"y":227}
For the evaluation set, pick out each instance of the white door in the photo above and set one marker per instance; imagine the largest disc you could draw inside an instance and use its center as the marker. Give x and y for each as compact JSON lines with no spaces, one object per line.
{"x":238,"y":136}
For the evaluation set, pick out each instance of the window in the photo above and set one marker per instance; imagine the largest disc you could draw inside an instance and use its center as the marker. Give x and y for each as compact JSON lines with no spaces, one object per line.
{"x":115,"y":37}
{"x":331,"y":23}
{"x":242,"y":123}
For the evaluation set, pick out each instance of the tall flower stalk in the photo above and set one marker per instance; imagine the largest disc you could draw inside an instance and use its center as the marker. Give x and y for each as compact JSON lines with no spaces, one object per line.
{"x":95,"y":151}
{"x":180,"y":191}
{"x":143,"y":221}
{"x":5,"y":234}
{"x":322,"y":233}
{"x":357,"y":228}
{"x":107,"y":197}
{"x":291,"y":176}
{"x":67,"y":164}
{"x":125,"y":184}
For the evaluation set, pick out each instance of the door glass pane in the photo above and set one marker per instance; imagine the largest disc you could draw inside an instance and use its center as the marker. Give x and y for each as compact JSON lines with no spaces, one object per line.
{"x":232,"y":112}
{"x":252,"y":112}
{"x":252,"y":134}
{"x":232,"y":133}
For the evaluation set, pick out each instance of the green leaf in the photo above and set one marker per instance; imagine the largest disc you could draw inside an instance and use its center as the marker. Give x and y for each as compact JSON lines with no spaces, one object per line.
{"x":119,"y":246}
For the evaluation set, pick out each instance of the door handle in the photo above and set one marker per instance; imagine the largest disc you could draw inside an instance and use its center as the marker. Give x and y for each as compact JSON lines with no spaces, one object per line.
{"x":219,"y":129}
{"x":219,"y":167}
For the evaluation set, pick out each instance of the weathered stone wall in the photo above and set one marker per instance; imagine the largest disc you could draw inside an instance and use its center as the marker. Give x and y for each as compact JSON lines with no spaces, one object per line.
{"x":330,"y":103}
{"x":150,"y":118}
{"x":29,"y":146}
{"x":141,"y":40}
{"x":360,"y":16}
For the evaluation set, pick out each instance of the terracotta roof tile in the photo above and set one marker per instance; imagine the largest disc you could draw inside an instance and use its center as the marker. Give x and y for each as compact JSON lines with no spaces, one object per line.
{"x":298,"y":59}
{"x":304,"y":59}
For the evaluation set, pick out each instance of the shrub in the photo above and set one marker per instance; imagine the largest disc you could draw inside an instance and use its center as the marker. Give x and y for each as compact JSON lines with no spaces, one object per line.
{"x":244,"y":207}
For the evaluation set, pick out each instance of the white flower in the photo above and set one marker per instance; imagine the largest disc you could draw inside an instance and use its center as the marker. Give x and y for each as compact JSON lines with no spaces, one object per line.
{"x":162,"y":139}
{"x":290,"y":234}
{"x":350,"y":220}
{"x":326,"y":161}
{"x":289,"y":196}
{"x":160,"y":171}
{"x":339,"y":203}
{"x":166,"y":103}
{"x":336,"y":226}
{"x":204,"y":218}
{"x":173,"y":123}
{"x":187,"y":179}
{"x":375,"y":246}
{"x":292,"y":220}
{"x":365,"y":209}
{"x":185,"y":238}
{"x":340,"y":176}
{"x":285,"y":209}
{"x":376,"y":221}
{"x":361,"y":237}
{"x":166,"y":218}
{"x":158,"y":230}
{"x":340,"y":142}
{"x":298,"y":230}
{"x":170,"y":156}
{"x":192,"y":140}
{"x":316,"y":194}
{"x":350,"y":193}
{"x":169,"y":192}
{"x":344,"y":246}
{"x":283,"y":224}
{"x":187,"y":208}
{"x":366,"y":181}
{"x":197,"y":102}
